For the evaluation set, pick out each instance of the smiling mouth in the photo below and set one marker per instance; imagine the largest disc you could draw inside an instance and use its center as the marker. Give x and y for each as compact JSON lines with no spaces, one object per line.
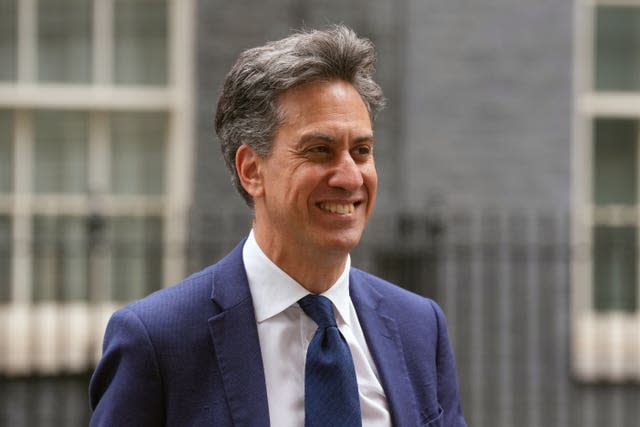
{"x":338,"y":208}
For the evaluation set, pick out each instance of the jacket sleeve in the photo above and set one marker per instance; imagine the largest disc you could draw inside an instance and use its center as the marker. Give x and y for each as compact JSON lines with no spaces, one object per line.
{"x":448,"y":394}
{"x":126,"y":387}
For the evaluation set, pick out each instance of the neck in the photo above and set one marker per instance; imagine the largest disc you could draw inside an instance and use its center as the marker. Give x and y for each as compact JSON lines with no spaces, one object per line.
{"x":314,"y":271}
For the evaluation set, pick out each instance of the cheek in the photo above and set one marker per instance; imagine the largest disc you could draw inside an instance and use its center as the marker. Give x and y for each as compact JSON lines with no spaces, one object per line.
{"x":371,"y":177}
{"x":306,"y":180}
{"x":296,"y":190}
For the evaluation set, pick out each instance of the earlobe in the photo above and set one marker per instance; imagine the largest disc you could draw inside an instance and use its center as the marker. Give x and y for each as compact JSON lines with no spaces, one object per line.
{"x":247,"y":165}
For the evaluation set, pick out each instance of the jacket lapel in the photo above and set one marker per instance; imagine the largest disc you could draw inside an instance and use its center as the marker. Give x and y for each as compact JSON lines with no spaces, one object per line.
{"x":384,"y":342}
{"x":236,"y":344}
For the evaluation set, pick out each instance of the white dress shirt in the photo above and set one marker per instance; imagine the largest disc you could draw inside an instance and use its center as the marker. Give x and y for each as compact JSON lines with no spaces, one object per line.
{"x":285,"y":331}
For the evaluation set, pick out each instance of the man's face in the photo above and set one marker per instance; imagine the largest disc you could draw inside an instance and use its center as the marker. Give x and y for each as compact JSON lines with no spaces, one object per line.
{"x":319,"y":182}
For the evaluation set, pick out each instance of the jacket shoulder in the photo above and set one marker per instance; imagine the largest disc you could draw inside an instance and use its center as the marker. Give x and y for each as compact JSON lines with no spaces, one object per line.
{"x":391,"y":292}
{"x":193,"y":294}
{"x":195,"y":289}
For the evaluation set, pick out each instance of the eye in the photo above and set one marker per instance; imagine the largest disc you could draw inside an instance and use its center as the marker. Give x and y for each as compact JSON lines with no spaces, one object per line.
{"x":363,"y":150}
{"x":319,"y":149}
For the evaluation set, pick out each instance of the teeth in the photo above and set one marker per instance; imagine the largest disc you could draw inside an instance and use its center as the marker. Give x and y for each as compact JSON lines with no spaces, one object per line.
{"x":338,"y":208}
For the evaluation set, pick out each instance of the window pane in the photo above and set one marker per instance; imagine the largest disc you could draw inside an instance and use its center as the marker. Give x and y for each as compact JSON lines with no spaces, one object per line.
{"x":6,"y":151}
{"x":8,"y":38}
{"x":615,"y":155}
{"x":136,"y":257}
{"x":138,"y":153}
{"x":618,"y":48}
{"x":5,"y":258}
{"x":60,"y":152}
{"x":614,"y":273}
{"x":140,"y":42}
{"x":64,"y":40}
{"x":60,"y":256}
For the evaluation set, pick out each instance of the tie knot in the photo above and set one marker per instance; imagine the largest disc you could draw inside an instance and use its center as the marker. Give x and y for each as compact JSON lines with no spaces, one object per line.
{"x":319,"y":309}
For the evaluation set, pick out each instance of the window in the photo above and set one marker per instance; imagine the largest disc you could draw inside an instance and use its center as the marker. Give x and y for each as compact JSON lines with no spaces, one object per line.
{"x":606,"y":190}
{"x":95,"y":147}
{"x":140,"y":42}
{"x":64,"y":41}
{"x":8,"y":38}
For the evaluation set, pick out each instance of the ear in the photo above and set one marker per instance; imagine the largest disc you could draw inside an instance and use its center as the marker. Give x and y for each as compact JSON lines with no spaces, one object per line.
{"x":248,"y":167}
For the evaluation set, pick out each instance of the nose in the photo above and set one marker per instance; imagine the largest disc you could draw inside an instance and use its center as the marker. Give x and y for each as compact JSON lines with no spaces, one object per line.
{"x":346,"y":174}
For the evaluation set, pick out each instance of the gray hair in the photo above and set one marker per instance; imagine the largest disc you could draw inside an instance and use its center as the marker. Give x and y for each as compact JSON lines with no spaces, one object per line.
{"x":247,"y":110}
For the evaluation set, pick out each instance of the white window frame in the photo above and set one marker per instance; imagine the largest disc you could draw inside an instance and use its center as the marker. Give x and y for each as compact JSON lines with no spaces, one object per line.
{"x":605,"y":346}
{"x":51,"y":337}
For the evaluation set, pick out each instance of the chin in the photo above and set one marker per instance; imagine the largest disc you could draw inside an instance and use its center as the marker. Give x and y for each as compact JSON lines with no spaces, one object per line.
{"x":343,"y":244}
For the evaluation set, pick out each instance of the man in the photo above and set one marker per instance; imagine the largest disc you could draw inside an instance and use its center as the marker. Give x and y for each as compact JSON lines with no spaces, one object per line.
{"x":241,"y":343}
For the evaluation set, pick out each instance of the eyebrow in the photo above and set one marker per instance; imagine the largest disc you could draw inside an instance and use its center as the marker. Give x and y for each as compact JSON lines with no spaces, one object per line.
{"x":330,"y":139}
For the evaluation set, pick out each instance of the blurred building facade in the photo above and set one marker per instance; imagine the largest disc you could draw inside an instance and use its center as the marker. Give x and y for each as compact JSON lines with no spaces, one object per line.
{"x":507,"y":160}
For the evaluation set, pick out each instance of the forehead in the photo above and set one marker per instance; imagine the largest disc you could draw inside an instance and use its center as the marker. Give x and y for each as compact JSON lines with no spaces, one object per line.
{"x":318,"y":102}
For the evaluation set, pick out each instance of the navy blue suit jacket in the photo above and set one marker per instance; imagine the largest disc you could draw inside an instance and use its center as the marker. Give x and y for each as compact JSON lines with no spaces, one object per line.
{"x":189,"y":355}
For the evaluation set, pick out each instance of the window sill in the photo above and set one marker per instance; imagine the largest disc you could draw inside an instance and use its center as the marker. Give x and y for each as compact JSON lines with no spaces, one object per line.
{"x":50,"y":338}
{"x":606,"y":347}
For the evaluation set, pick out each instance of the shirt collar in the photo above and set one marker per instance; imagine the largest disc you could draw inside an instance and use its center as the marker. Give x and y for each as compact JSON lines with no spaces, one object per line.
{"x":273,"y":290}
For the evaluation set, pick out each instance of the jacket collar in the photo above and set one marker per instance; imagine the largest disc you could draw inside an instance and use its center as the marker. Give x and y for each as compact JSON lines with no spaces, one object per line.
{"x":383,"y":339}
{"x":235,"y":342}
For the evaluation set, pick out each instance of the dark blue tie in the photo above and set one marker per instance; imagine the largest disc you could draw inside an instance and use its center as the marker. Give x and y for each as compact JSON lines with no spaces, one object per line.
{"x":331,"y":389}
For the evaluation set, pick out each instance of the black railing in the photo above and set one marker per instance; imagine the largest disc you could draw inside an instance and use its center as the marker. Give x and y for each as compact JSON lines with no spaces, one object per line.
{"x":503,"y":280}
{"x":44,"y":401}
